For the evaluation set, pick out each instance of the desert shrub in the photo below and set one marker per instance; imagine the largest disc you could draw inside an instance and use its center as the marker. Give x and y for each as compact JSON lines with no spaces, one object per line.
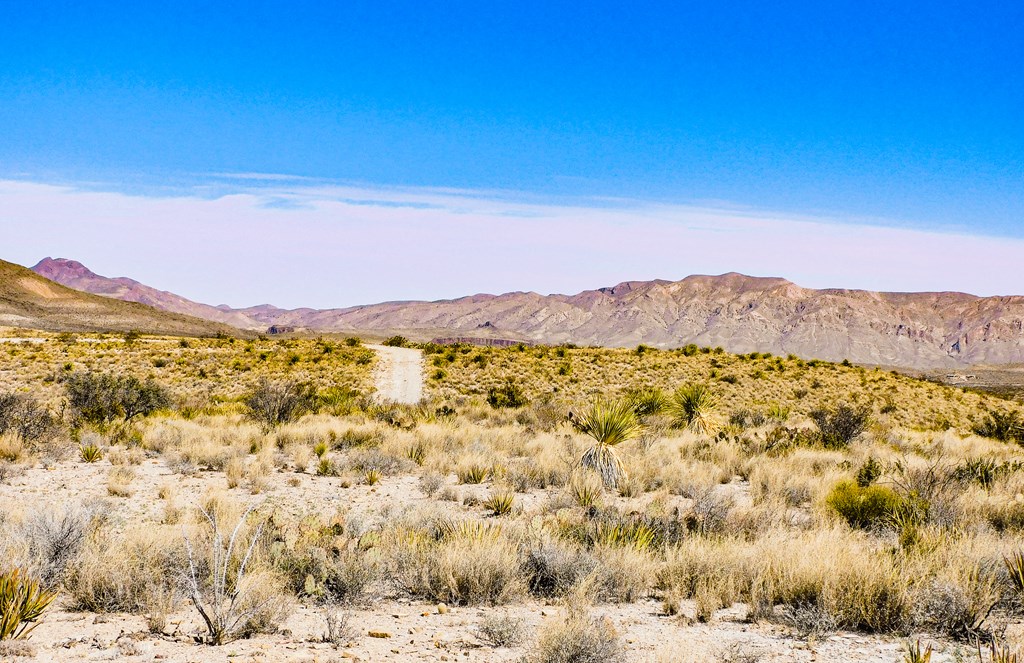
{"x":397,"y":342}
{"x":502,"y":630}
{"x":609,"y":423}
{"x":840,"y":425}
{"x":339,"y":400}
{"x":233,"y":599}
{"x":470,"y":564}
{"x":22,"y":602}
{"x":692,"y":406}
{"x":579,"y":638}
{"x":275,"y":403}
{"x":555,"y":568}
{"x":329,"y":573}
{"x":509,"y":395}
{"x":100,"y":398}
{"x":1004,"y":426}
{"x":25,"y":417}
{"x":866,"y":507}
{"x":868,"y":472}
{"x":48,"y":541}
{"x":746,"y":418}
{"x":136,"y":573}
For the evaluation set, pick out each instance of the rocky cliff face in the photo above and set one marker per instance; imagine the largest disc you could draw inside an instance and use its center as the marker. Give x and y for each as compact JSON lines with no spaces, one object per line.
{"x":739,"y":313}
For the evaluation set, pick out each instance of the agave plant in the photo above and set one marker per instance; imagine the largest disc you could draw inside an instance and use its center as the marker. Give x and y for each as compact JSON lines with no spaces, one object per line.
{"x":610,"y":423}
{"x":691,"y":407}
{"x":22,"y":602}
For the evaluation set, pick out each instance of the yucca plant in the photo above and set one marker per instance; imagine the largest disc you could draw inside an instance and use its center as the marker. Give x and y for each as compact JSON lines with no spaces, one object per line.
{"x":325,"y":467}
{"x":470,"y":530}
{"x":417,"y":453}
{"x":372,"y":477}
{"x":610,"y":423}
{"x":999,"y":654}
{"x":22,"y":602}
{"x":90,"y":453}
{"x":587,"y":490}
{"x":1015,"y":568}
{"x":637,"y":535}
{"x":320,"y":449}
{"x":914,"y":653}
{"x":692,"y":406}
{"x":473,"y":473}
{"x":647,"y":401}
{"x":500,"y":503}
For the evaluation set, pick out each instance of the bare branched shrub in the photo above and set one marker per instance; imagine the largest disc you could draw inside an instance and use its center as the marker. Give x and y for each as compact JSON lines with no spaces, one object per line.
{"x":502,"y":630}
{"x":232,"y":601}
{"x":26,"y":418}
{"x":55,"y":539}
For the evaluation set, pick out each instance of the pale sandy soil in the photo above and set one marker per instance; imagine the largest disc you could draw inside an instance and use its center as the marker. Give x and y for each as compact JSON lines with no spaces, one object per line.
{"x":399,"y":374}
{"x":418,"y":631}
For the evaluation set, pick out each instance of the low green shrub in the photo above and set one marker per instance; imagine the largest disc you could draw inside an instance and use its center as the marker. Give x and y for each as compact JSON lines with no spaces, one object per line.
{"x":865,"y":507}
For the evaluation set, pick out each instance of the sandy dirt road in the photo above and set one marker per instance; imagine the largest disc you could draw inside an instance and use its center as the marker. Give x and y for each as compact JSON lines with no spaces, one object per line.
{"x":399,"y":374}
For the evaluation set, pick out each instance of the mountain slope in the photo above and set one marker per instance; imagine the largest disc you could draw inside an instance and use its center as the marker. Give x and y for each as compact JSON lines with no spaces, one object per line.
{"x":739,"y":313}
{"x":75,"y":275}
{"x":27,"y":300}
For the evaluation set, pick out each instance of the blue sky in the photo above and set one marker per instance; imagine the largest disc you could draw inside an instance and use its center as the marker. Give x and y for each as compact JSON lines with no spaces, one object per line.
{"x":856,"y":112}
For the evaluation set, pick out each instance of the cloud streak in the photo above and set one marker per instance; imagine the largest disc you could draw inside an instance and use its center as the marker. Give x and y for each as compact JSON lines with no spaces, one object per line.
{"x":315,"y":244}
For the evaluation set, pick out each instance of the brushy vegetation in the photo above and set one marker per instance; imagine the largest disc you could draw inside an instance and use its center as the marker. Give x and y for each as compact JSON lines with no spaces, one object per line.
{"x":750,"y":487}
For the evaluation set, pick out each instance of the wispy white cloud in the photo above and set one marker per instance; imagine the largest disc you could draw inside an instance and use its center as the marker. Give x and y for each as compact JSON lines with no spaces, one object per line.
{"x":324,"y":244}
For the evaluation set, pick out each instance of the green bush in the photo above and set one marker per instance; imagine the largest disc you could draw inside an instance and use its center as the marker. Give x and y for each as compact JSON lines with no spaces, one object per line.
{"x":397,"y":342}
{"x":100,"y":398}
{"x":839,"y":426}
{"x":865,"y":507}
{"x":508,"y":395}
{"x":1005,"y":426}
{"x":274,"y":403}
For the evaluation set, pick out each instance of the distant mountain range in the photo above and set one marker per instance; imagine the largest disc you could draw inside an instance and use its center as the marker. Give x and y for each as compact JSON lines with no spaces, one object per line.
{"x":29,"y":301}
{"x":739,"y":313}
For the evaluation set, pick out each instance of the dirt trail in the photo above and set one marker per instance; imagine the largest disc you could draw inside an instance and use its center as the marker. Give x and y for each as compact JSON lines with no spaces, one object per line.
{"x":399,"y":374}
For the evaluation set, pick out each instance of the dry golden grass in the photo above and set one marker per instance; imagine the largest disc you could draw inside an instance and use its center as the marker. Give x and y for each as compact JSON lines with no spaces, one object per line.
{"x":410,"y":501}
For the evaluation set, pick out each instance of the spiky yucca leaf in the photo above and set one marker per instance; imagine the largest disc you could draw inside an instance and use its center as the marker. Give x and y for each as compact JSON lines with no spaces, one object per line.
{"x":914,"y":653}
{"x":1015,"y":568}
{"x":22,"y":602}
{"x":609,"y":422}
{"x":692,"y":407}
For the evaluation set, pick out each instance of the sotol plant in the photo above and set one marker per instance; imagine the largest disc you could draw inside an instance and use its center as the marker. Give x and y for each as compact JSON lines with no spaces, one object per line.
{"x":610,"y":423}
{"x":692,"y":406}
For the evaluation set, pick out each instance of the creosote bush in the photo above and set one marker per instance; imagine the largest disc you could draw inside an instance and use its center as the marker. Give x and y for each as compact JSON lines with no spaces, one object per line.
{"x":866,"y":507}
{"x":509,"y":395}
{"x":100,"y":398}
{"x":275,"y":403}
{"x":840,"y":425}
